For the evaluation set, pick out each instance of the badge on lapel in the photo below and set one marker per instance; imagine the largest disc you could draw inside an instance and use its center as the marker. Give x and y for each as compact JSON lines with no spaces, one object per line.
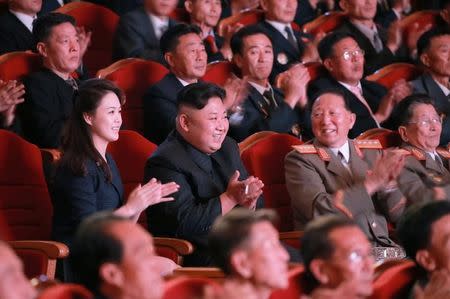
{"x":282,"y":58}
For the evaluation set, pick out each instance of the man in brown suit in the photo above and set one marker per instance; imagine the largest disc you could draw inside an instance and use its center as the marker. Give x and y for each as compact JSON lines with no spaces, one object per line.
{"x":426,"y":175}
{"x":357,"y":185}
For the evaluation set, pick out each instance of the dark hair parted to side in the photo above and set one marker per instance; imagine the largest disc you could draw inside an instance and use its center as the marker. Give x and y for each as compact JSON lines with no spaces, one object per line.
{"x":414,"y":228}
{"x":93,"y":246}
{"x":333,"y":91}
{"x":316,"y":243}
{"x":232,"y":231}
{"x":237,"y":40}
{"x":404,"y":110}
{"x":77,"y":146}
{"x":43,"y":26}
{"x":326,"y":45}
{"x":424,"y":41}
{"x":197,"y":95}
{"x":171,"y":38}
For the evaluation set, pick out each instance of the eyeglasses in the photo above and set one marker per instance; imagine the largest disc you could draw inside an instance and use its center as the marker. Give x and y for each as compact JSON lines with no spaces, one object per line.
{"x":347,"y":55}
{"x":426,"y":123}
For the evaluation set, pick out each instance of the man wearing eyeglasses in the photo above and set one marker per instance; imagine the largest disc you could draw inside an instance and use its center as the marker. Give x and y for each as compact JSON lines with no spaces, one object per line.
{"x":371,"y":102}
{"x":338,"y":259}
{"x":425,"y":176}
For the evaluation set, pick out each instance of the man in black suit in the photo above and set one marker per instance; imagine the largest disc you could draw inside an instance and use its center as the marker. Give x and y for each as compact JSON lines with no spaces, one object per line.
{"x":49,"y":92}
{"x":381,"y":47}
{"x":370,"y":101}
{"x":266,"y":108}
{"x":185,"y":54}
{"x":205,"y":163}
{"x":289,"y":46}
{"x":16,"y":25}
{"x":140,"y":30}
{"x":433,"y":49}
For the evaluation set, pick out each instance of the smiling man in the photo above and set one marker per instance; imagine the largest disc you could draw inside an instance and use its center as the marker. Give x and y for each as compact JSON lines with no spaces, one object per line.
{"x":337,"y":175}
{"x":205,"y":163}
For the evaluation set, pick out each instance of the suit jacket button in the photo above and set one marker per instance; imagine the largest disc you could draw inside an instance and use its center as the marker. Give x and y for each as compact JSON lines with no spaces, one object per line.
{"x":374,"y":224}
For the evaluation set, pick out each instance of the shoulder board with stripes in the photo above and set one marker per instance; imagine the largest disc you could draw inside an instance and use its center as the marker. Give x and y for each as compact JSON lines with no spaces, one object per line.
{"x":418,"y":154}
{"x":368,"y":144}
{"x":443,"y":152}
{"x":311,"y":149}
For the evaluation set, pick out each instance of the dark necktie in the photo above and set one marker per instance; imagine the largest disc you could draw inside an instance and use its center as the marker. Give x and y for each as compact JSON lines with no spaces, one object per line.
{"x":270,"y":99}
{"x":377,"y":43}
{"x":290,"y":37}
{"x":72,"y":82}
{"x":212,"y":44}
{"x":344,"y":162}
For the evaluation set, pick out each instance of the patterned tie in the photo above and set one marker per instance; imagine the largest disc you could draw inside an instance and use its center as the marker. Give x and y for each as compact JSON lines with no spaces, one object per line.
{"x":377,"y":43}
{"x":72,"y":82}
{"x":290,"y":37}
{"x":270,"y":99}
{"x":358,"y":93}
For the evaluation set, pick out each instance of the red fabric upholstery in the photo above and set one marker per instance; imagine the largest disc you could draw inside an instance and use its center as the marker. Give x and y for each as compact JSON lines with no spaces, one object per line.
{"x":130,"y":153}
{"x":35,"y":262}
{"x":180,"y":14}
{"x":103,"y":23}
{"x":16,"y":65}
{"x":395,"y":282}
{"x":295,"y":290}
{"x":167,"y":252}
{"x":325,"y":23}
{"x":265,"y":160}
{"x":187,"y":287}
{"x":386,"y":137}
{"x":423,"y":18}
{"x":24,"y":200}
{"x":218,"y":72}
{"x":66,"y":291}
{"x":134,"y":76}
{"x":244,"y":18}
{"x":388,"y":75}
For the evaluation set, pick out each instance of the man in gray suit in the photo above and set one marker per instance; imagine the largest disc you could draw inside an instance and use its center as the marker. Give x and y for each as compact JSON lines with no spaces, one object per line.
{"x":433,"y":49}
{"x":337,"y":175}
{"x":139,"y":31}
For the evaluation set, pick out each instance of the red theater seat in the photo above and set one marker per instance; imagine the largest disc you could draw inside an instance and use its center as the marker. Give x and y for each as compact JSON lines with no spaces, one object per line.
{"x":244,"y":18}
{"x":295,"y":289}
{"x":386,"y":137}
{"x":218,"y":72}
{"x":388,"y":75}
{"x":66,"y":291}
{"x":134,"y":76}
{"x":324,"y":23}
{"x":17,"y":65}
{"x":187,"y":287}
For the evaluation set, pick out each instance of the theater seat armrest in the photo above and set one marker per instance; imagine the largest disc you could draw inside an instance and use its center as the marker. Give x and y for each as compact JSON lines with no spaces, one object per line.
{"x":54,"y":250}
{"x":50,"y":155}
{"x":182,"y":247}
{"x":292,"y":235}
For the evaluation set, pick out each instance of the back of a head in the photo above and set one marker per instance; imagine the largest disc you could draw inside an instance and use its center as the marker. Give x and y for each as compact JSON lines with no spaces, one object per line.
{"x":237,"y":40}
{"x":231,"y":231}
{"x":170,"y":39}
{"x":414,"y":229}
{"x":43,"y":25}
{"x":93,"y":246}
{"x":197,"y":95}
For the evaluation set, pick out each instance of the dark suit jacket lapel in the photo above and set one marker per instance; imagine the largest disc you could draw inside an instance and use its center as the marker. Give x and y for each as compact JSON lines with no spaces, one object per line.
{"x":435,"y":91}
{"x":172,"y":84}
{"x":147,"y":29}
{"x":258,"y":101}
{"x":21,"y":30}
{"x":281,"y":42}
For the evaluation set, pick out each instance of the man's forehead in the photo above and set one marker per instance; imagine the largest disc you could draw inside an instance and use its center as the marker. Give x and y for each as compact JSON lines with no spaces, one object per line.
{"x":328,"y":100}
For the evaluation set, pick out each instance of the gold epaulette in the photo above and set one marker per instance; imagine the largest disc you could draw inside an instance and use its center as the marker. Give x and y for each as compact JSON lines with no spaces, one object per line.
{"x":311,"y":149}
{"x":418,"y":154}
{"x":369,"y":144}
{"x":445,"y":153}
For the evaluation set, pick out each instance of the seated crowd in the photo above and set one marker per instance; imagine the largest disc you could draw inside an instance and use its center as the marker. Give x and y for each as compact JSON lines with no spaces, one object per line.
{"x":355,"y":202}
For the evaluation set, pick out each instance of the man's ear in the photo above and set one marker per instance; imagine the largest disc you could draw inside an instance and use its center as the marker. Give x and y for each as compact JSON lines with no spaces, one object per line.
{"x":110,"y":274}
{"x":403,"y":133}
{"x":264,"y":5}
{"x":239,"y":262}
{"x":238,"y":60}
{"x":425,"y":59}
{"x":319,"y":271}
{"x":328,"y":64}
{"x":425,"y":260}
{"x":352,"y":119}
{"x":42,"y":49}
{"x":183,"y":122}
{"x":169,"y":59}
{"x":188,"y":6}
{"x":343,"y":4}
{"x":445,"y":14}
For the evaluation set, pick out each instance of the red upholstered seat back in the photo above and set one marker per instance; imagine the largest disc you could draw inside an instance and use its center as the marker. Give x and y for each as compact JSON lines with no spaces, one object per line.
{"x":103,"y":23}
{"x":244,"y":18}
{"x":295,"y":288}
{"x":218,"y":72}
{"x":423,"y":18}
{"x":66,"y":291}
{"x":134,"y":76}
{"x":130,"y":153}
{"x":388,"y":75}
{"x":24,"y":200}
{"x":395,"y":282}
{"x":325,"y":23}
{"x":187,"y":287}
{"x":16,"y":65}
{"x":386,"y":137}
{"x":265,"y":160}
{"x":35,"y":262}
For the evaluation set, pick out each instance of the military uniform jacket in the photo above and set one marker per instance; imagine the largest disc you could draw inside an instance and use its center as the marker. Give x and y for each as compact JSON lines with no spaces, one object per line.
{"x":422,"y":178}
{"x":318,"y":184}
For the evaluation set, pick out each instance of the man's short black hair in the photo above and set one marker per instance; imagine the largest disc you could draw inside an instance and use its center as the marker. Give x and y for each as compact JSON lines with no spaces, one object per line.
{"x":316,"y":243}
{"x":43,"y":25}
{"x":405,"y":109}
{"x":197,"y":95}
{"x":237,"y":40}
{"x":334,"y":91}
{"x":232,"y":231}
{"x":171,"y":38}
{"x":93,"y":246}
{"x":326,"y":45}
{"x":414,"y":229}
{"x":424,"y":41}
